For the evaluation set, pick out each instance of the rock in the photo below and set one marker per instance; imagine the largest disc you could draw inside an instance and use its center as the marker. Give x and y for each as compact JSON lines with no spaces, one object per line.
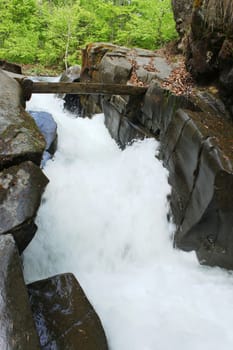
{"x":196,"y":147}
{"x":194,"y":129}
{"x":209,"y":54}
{"x":63,"y":315}
{"x":121,"y":128}
{"x":72,"y":102}
{"x":17,"y":328}
{"x":21,"y":188}
{"x":71,"y":74}
{"x":10,"y":67}
{"x":114,"y":68}
{"x":20,"y":137}
{"x":107,"y":63}
{"x":48,"y":128}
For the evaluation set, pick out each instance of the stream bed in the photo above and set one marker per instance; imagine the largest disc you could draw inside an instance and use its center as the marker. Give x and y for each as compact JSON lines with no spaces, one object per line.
{"x":104,"y":218}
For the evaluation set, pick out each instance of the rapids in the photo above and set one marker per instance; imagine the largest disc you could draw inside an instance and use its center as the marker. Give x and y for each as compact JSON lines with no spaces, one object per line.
{"x":104,"y":218}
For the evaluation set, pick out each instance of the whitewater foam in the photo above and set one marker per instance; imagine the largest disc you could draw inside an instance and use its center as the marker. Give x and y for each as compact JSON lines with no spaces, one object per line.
{"x":103,"y":218}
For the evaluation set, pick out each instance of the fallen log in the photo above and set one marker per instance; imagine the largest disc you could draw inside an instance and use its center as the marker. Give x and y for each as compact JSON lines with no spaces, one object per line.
{"x":86,"y":88}
{"x":38,"y":87}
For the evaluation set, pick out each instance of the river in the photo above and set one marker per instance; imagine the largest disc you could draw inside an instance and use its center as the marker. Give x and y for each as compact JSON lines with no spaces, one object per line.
{"x":104,"y":218}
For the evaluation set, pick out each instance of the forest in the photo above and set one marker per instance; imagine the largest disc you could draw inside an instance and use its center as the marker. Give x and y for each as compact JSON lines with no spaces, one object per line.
{"x":53,"y":32}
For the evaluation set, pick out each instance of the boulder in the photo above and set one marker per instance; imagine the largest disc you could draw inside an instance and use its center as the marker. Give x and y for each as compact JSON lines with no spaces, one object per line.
{"x":107,"y":63}
{"x":21,"y":188}
{"x":72,"y":102}
{"x":48,"y":128}
{"x":71,"y":74}
{"x":63,"y":315}
{"x":20,"y":138}
{"x":17,"y":328}
{"x":121,"y":128}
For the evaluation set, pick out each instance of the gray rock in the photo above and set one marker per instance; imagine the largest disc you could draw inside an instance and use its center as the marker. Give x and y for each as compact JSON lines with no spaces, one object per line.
{"x":114,"y":69}
{"x":48,"y":128}
{"x":17,"y":328}
{"x":20,"y":137}
{"x":71,"y":74}
{"x":21,"y":188}
{"x":196,"y":147}
{"x":63,"y":315}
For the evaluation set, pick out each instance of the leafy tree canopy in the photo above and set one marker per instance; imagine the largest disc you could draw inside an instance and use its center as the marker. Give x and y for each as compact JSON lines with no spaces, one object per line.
{"x":52,"y":32}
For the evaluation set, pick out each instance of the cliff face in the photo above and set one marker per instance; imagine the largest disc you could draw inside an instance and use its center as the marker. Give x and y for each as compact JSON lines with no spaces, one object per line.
{"x":195,"y":133}
{"x":208,"y":35}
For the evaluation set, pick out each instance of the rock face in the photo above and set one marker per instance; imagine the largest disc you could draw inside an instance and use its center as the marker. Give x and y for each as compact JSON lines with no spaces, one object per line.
{"x":196,"y":147}
{"x":63,"y":315}
{"x":17,"y":329}
{"x":195,"y":133}
{"x":21,"y":188}
{"x":20,"y":137}
{"x":108,"y":63}
{"x":209,"y":42}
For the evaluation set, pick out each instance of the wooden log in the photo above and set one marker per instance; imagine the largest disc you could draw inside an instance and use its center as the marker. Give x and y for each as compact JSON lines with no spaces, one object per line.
{"x":87,"y":88}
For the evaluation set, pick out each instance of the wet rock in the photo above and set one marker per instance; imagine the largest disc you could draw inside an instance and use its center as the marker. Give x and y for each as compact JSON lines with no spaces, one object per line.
{"x":20,"y":137}
{"x":48,"y":128}
{"x":63,"y":315}
{"x":121,"y":128}
{"x":195,"y":133}
{"x":196,"y":147}
{"x":21,"y":188}
{"x":17,"y":328}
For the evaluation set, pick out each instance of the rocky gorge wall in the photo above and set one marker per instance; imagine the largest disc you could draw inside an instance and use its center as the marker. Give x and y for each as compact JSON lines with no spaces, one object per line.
{"x":195,"y":133}
{"x":206,"y":34}
{"x":53,"y":313}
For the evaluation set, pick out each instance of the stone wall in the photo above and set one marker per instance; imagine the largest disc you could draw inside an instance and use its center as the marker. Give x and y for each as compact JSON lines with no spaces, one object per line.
{"x":28,"y":318}
{"x":195,"y":133}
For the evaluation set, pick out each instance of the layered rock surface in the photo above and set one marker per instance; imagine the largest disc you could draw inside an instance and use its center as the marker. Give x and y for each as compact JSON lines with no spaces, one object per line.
{"x":207,"y":32}
{"x":21,"y":188}
{"x":17,"y":329}
{"x":195,"y":133}
{"x":20,"y":137}
{"x":63,"y":315}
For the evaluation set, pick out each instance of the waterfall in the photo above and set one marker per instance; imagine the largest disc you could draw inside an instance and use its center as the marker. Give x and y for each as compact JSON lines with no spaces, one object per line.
{"x":104,"y":218}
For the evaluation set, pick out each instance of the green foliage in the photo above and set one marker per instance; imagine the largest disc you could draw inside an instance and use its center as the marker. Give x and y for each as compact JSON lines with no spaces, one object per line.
{"x":52,"y":32}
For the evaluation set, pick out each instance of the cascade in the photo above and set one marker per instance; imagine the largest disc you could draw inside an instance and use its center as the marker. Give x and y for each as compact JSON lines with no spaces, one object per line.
{"x":104,"y":218}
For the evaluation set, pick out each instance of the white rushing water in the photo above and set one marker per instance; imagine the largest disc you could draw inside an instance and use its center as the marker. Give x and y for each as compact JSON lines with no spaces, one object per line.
{"x":103,"y":218}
